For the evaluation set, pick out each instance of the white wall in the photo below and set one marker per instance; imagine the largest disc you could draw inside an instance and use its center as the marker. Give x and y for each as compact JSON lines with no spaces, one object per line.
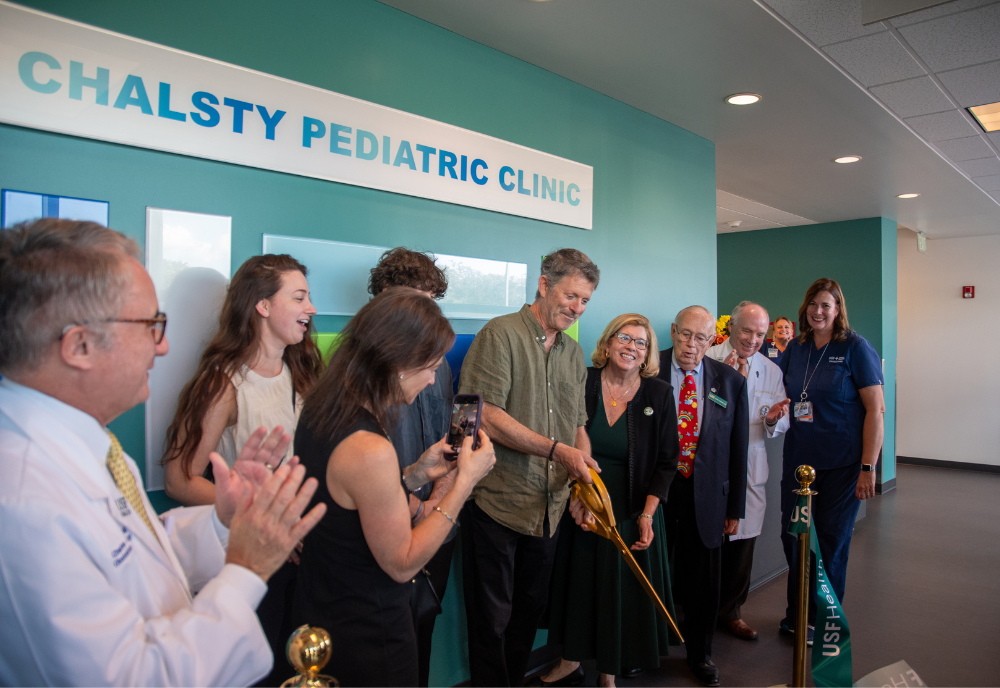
{"x":948,"y":366}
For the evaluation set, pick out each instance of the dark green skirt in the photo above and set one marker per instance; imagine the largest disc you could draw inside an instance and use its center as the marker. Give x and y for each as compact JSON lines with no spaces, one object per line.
{"x":597,"y":608}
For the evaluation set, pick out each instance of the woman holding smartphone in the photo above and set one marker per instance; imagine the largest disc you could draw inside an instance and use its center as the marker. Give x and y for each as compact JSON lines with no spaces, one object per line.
{"x":358,"y":562}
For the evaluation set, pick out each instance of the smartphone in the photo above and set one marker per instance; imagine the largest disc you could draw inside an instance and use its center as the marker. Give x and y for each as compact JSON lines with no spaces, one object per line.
{"x":465,"y":416}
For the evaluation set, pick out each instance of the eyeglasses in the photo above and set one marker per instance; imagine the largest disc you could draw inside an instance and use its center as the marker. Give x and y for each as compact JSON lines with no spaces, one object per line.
{"x":686,"y":335}
{"x":640,"y":344}
{"x":157,"y":324}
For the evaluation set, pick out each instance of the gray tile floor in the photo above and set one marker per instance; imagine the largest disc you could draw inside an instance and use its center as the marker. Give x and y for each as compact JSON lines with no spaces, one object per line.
{"x":923,"y":585}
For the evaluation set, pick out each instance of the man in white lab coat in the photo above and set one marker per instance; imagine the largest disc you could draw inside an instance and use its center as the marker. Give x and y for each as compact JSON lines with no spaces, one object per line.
{"x":95,"y":589}
{"x":765,"y":389}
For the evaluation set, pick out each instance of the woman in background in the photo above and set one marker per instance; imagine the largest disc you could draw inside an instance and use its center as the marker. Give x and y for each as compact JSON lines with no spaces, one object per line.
{"x":255,"y":372}
{"x":781,"y":335}
{"x":359,"y":561}
{"x":598,"y":610}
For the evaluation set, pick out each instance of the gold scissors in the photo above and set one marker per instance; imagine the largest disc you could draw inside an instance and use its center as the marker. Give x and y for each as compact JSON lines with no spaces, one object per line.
{"x":596,"y":500}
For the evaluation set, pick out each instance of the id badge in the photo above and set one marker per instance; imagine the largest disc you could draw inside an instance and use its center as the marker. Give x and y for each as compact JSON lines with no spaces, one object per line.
{"x":804,"y":411}
{"x":772,"y":352}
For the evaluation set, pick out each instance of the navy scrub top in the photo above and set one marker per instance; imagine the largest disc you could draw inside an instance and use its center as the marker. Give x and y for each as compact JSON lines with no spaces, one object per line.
{"x":834,"y":438}
{"x":768,"y":348}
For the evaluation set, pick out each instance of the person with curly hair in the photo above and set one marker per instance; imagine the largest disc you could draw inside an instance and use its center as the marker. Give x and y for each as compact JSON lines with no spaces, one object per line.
{"x":401,"y":267}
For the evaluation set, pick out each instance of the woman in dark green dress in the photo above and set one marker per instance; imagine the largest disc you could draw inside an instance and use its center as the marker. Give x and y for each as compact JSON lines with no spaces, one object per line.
{"x":597,"y":608}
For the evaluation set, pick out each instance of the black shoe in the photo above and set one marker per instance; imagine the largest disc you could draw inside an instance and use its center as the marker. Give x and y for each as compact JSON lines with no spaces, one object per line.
{"x":787,"y":626}
{"x":573,"y":678}
{"x":632,"y":673}
{"x":706,"y":672}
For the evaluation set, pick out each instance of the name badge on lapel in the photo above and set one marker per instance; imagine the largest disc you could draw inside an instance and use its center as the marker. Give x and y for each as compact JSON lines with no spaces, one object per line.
{"x":712,"y":396}
{"x":122,"y":505}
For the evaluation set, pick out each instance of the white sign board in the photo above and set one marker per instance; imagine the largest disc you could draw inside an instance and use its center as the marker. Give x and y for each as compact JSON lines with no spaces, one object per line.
{"x":63,"y":76}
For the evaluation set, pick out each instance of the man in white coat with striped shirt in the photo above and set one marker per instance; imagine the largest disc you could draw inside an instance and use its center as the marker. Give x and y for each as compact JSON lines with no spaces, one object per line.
{"x":95,"y":589}
{"x":765,"y":389}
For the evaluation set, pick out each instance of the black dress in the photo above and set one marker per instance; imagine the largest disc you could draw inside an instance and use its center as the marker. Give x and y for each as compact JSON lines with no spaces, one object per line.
{"x":341,"y":587}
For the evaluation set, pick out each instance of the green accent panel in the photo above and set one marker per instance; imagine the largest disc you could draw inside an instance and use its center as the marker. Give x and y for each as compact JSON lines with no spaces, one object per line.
{"x":774,"y":267}
{"x":574,"y":331}
{"x":654,"y":183}
{"x":327,"y":343}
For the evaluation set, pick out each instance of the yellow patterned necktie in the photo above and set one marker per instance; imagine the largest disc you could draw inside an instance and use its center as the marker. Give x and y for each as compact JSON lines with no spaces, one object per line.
{"x":126,"y":481}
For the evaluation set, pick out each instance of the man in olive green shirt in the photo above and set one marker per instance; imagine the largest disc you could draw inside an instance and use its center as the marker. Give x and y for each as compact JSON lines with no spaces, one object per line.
{"x":531,"y":376}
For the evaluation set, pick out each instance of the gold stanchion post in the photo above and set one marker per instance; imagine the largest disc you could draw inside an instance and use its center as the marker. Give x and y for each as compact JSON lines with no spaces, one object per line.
{"x":308,"y":650}
{"x":806,"y":475}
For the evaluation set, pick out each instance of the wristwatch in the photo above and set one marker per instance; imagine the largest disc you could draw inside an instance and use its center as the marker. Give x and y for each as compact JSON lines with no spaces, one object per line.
{"x":867,"y":467}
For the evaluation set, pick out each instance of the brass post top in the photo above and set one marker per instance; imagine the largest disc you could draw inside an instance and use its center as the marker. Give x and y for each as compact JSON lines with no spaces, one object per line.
{"x":806,"y":475}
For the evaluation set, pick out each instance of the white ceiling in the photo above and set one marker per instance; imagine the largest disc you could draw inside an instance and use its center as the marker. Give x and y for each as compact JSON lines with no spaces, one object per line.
{"x":730,"y":209}
{"x":925,"y":67}
{"x":678,"y":59}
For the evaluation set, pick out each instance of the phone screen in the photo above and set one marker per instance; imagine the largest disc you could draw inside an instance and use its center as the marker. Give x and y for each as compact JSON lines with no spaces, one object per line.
{"x":464,"y":421}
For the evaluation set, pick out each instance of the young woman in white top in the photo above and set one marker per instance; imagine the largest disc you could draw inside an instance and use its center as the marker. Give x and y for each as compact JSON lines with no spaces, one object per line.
{"x":255,"y":372}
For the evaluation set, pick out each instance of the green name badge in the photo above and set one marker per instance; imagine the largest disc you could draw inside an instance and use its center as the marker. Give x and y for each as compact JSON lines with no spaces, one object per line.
{"x":718,"y":400}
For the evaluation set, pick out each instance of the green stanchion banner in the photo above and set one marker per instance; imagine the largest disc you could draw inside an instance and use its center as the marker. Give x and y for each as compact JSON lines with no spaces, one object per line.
{"x":831,"y":655}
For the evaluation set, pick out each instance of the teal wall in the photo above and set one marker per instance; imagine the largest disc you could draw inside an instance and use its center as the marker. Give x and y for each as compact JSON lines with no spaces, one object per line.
{"x":774,"y":267}
{"x":654,"y":184}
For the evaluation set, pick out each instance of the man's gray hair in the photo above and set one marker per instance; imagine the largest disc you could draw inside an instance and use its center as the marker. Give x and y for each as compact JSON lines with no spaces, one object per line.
{"x":692,"y":309}
{"x":743,"y":305}
{"x":55,"y":273}
{"x":567,"y":261}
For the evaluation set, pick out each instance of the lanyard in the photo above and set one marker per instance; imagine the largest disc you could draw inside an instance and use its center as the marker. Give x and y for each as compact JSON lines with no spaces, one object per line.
{"x":805,"y":382}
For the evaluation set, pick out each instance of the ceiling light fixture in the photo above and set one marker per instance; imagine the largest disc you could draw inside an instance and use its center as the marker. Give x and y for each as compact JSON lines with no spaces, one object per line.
{"x":847,"y":159}
{"x":988,"y":116}
{"x":743,"y":99}
{"x":909,"y":195}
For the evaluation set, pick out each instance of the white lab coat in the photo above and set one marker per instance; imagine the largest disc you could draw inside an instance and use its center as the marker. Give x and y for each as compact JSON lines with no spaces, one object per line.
{"x":87,"y":594}
{"x":765,"y":387}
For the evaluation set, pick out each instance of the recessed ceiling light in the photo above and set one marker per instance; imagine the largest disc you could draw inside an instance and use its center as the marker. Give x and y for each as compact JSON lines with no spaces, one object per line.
{"x":847,"y":159}
{"x":988,"y":116}
{"x":907,"y":195}
{"x":743,"y":99}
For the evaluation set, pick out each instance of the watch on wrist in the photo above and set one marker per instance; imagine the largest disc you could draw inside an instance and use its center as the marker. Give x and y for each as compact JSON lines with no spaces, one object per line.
{"x":867,"y":467}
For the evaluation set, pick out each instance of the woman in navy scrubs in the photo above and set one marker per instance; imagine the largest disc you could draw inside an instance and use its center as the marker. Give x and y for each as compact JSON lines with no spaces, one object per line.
{"x":782,"y":336}
{"x":833,"y":377}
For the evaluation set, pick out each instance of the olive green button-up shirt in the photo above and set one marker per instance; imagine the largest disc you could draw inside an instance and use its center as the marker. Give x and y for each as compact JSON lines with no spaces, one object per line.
{"x":508,"y":365}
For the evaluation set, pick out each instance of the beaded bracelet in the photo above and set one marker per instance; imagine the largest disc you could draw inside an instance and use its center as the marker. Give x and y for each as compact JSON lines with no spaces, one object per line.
{"x":447,"y":516}
{"x":644,"y":515}
{"x":553,"y":450}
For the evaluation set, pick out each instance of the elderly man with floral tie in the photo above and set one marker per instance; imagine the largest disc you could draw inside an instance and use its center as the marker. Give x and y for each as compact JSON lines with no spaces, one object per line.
{"x":708,"y":497}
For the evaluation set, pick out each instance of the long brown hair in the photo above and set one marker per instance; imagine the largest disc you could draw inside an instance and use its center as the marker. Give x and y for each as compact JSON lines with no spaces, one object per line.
{"x":235,"y":345}
{"x":397,"y":330}
{"x":841,"y":328}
